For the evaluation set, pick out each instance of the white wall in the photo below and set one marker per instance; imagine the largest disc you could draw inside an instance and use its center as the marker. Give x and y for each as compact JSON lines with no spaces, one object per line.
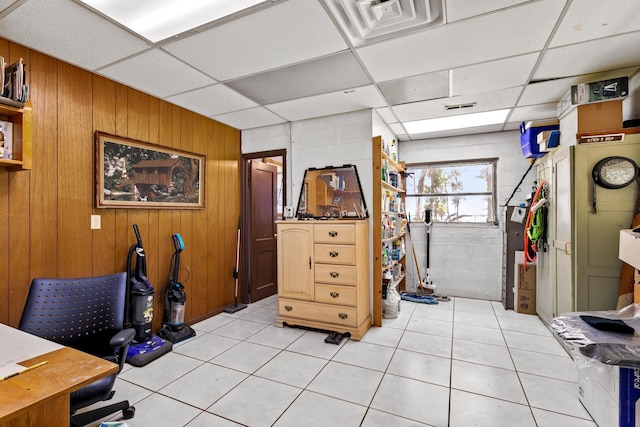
{"x":466,"y":260}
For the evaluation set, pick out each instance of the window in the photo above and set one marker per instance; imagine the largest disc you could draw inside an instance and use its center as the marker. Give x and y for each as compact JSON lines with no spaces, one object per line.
{"x":456,"y":192}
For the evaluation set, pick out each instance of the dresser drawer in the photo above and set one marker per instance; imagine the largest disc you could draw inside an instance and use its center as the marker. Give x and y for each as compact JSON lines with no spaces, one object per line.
{"x":326,"y":313}
{"x":334,"y":233}
{"x":336,"y":274}
{"x":335,"y":294}
{"x":334,"y":254}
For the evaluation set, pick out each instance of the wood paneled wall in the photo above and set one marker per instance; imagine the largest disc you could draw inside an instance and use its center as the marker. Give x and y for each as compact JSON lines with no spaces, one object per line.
{"x":47,"y":211}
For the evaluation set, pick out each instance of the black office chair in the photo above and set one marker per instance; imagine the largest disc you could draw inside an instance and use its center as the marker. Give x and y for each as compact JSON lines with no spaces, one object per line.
{"x":87,"y":314}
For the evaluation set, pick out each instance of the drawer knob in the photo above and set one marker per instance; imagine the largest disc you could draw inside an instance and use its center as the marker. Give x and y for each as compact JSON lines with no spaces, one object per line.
{"x":333,"y":234}
{"x":333,"y":254}
{"x":288,"y":307}
{"x":334,"y":294}
{"x":334,"y":274}
{"x":343,"y":315}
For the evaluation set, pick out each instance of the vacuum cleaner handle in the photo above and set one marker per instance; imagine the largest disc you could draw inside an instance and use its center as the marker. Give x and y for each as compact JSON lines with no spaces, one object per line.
{"x":135,"y":230}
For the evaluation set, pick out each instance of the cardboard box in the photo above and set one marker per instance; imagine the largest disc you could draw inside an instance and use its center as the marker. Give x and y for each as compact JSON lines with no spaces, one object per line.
{"x":629,"y":252}
{"x":600,"y":116}
{"x":610,"y":393}
{"x":525,"y":289}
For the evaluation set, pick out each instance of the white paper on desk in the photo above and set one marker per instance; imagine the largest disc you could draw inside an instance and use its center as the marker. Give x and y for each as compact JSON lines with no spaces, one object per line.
{"x":10,"y":369}
{"x":22,"y":345}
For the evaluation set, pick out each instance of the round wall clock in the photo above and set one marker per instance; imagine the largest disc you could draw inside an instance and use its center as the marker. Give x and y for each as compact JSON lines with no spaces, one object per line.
{"x":614,"y":172}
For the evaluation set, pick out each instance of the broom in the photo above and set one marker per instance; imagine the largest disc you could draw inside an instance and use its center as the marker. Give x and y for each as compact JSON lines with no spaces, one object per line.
{"x":236,"y":306}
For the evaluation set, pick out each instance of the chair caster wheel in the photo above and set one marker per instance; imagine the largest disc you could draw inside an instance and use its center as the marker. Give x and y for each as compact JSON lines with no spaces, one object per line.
{"x":129,"y":412}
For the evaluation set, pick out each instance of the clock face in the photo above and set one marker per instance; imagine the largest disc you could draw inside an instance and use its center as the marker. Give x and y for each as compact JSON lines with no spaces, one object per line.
{"x":615,"y":172}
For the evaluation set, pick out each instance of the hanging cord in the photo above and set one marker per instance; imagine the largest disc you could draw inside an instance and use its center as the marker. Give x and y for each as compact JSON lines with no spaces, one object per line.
{"x":515,"y":190}
{"x":534,"y":227}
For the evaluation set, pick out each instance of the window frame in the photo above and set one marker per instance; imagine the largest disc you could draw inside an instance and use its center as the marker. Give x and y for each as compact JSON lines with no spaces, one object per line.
{"x":492,"y":162}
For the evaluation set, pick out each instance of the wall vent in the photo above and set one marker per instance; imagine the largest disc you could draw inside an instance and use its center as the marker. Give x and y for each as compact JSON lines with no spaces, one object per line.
{"x":364,"y":21}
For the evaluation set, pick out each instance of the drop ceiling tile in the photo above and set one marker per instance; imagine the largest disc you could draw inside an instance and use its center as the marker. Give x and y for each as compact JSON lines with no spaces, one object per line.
{"x":487,"y":101}
{"x":67,"y":31}
{"x":283,"y":34}
{"x":212,"y":100}
{"x":157,"y":73}
{"x":590,"y":57}
{"x":534,"y":112}
{"x":397,"y":129}
{"x":461,"y":9}
{"x":386,"y":114}
{"x":328,"y":104}
{"x":327,"y":74}
{"x":493,"y":75}
{"x":417,"y":88}
{"x":249,"y":119}
{"x":5,"y":4}
{"x":510,"y":32}
{"x":591,"y":19}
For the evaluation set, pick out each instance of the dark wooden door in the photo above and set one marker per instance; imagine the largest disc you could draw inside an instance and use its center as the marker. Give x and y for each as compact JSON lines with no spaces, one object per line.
{"x":263,"y":184}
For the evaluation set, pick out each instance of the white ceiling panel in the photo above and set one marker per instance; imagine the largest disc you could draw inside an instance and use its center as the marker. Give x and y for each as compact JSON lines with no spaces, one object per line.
{"x":69,"y":32}
{"x":327,"y":74}
{"x":158,"y":73}
{"x":590,"y":57}
{"x":487,"y":101}
{"x":493,"y":75}
{"x":212,"y":100}
{"x":283,"y":34}
{"x":457,"y":132}
{"x":328,"y":104}
{"x":534,"y":112}
{"x":417,"y":88}
{"x":249,"y":119}
{"x":592,"y":19}
{"x":511,"y":32}
{"x":6,"y":3}
{"x":386,"y":114}
{"x":461,"y":9}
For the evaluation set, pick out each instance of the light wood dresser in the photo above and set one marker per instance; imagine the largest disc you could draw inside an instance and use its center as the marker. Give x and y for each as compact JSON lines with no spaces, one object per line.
{"x":323,"y":275}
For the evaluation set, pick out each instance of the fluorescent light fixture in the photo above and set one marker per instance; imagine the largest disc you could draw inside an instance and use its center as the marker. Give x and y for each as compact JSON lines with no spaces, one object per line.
{"x":457,"y":122}
{"x":157,"y":20}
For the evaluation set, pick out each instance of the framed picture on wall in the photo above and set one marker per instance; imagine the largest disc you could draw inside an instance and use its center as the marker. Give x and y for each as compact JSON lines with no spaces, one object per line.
{"x":135,"y":174}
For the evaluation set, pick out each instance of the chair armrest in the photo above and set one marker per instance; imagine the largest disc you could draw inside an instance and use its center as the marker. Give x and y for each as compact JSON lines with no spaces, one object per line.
{"x":122,"y":338}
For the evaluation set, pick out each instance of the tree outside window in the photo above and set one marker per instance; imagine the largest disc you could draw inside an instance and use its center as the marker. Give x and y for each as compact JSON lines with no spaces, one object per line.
{"x":456,"y":192}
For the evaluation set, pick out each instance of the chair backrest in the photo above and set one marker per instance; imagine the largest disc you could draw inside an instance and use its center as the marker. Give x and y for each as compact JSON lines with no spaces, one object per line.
{"x":83,"y":313}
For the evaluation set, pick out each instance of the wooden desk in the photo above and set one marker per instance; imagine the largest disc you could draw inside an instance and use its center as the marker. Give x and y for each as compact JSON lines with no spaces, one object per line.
{"x":40,"y":397}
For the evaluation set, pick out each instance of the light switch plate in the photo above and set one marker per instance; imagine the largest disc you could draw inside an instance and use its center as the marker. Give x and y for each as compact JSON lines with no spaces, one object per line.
{"x":95,"y":222}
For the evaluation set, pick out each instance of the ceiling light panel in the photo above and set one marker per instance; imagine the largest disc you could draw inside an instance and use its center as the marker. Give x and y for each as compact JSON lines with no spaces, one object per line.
{"x":457,"y":122}
{"x":328,"y":74}
{"x":364,"y":21}
{"x":157,"y":20}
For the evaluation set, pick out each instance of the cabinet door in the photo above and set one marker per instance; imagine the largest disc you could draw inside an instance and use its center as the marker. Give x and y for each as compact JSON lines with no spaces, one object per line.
{"x":295,"y":264}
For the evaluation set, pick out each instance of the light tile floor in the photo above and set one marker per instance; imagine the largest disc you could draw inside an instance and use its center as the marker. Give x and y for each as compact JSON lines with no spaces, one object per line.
{"x":460,"y":363}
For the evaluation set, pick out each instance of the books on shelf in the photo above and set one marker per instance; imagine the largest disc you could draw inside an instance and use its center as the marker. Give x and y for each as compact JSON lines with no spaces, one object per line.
{"x":6,"y":140}
{"x":14,"y":83}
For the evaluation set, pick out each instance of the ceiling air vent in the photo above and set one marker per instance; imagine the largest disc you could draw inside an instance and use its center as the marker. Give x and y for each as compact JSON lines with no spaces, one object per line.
{"x":460,"y":106}
{"x":364,"y":21}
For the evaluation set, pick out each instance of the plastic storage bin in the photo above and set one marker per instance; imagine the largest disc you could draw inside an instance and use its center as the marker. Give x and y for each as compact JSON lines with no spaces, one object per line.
{"x":529,"y":137}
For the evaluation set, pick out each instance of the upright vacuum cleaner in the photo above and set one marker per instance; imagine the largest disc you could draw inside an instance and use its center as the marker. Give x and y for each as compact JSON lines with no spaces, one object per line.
{"x":175,"y":329}
{"x":139,"y":309}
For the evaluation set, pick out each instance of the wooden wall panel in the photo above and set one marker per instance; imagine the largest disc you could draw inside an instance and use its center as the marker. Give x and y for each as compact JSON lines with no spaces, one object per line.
{"x":20,"y":210}
{"x":48,"y":209}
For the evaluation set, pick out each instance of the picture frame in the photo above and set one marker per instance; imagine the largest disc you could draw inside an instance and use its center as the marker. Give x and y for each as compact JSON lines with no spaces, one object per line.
{"x":136,"y":174}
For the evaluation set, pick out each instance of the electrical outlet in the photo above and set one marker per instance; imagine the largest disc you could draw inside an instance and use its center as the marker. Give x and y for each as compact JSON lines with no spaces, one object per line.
{"x":95,"y":222}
